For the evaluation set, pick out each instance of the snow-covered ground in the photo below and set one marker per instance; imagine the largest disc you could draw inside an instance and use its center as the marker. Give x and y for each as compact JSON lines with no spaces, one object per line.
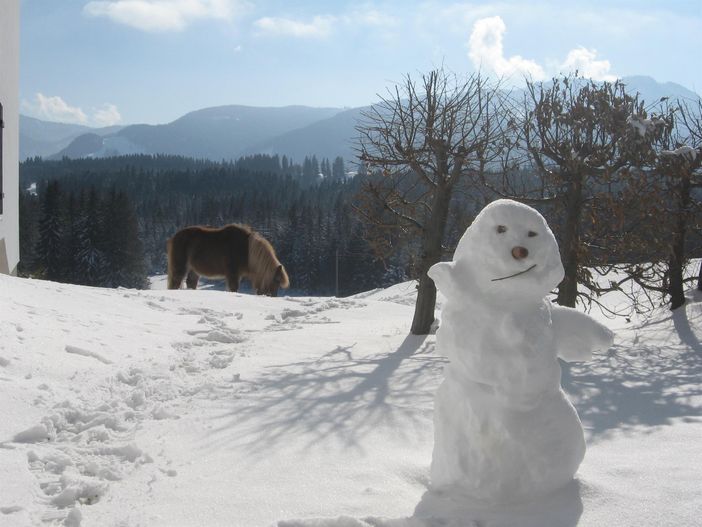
{"x":204,"y":408}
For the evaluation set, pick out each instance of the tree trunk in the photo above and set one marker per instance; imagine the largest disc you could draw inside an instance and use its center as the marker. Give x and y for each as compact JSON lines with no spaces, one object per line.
{"x":570,"y":239}
{"x":425,"y":306}
{"x":675,"y":278}
{"x":676,"y":259}
{"x":432,"y":239}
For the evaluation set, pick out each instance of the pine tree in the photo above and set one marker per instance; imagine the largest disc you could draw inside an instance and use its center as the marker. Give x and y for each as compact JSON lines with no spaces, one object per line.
{"x":309,"y":176}
{"x":51,"y":230}
{"x":338,"y":170}
{"x":72,"y":238}
{"x":326,"y":168}
{"x":29,"y":212}
{"x":315,"y":168}
{"x":122,"y":247}
{"x":91,"y":261}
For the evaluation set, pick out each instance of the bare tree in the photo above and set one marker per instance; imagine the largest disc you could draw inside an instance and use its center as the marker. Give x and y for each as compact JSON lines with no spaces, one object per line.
{"x":580,"y":140}
{"x":691,"y":122}
{"x":419,"y":143}
{"x":617,"y":180}
{"x":678,"y":167}
{"x":662,"y":207}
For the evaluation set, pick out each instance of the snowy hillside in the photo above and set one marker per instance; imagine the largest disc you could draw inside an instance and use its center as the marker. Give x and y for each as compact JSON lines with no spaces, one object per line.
{"x":167,"y":408}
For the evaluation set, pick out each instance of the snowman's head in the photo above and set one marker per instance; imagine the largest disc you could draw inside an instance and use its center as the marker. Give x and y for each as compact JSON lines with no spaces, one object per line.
{"x":507,"y":254}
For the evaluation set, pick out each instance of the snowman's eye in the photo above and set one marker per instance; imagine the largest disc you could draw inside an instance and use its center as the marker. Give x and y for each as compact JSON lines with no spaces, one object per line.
{"x":531,"y":234}
{"x":501,"y":229}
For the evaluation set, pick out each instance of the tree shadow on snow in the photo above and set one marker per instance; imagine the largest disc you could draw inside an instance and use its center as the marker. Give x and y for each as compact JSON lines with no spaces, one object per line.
{"x":339,"y":395}
{"x":648,"y":383}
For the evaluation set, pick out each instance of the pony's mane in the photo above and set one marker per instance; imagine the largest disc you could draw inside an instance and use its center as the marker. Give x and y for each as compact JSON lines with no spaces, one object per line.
{"x":262,"y":258}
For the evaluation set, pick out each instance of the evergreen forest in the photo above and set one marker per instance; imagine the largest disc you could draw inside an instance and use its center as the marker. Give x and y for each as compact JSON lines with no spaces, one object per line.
{"x":105,"y":222}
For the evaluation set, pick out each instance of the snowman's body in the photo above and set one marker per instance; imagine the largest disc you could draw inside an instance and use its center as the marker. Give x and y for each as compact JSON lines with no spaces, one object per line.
{"x":504,"y":429}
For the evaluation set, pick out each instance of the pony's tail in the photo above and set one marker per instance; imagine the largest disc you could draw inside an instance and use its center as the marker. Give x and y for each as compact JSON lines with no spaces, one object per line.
{"x":171,"y":265}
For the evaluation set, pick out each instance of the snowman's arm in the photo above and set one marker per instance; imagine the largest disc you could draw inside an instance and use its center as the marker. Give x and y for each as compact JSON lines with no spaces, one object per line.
{"x":577,"y":335}
{"x":442,"y":275}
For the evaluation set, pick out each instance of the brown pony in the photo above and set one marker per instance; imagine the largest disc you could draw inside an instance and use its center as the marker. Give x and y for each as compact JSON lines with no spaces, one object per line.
{"x":231,"y":252}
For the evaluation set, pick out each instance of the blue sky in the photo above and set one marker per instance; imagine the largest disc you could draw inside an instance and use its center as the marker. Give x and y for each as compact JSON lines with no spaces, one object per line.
{"x":101,"y":62}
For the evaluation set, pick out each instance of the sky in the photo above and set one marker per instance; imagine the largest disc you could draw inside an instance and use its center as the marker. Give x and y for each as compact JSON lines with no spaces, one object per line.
{"x":106,"y":62}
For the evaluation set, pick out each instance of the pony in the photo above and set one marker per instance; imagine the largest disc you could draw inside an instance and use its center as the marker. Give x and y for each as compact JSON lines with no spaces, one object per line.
{"x":231,"y":252}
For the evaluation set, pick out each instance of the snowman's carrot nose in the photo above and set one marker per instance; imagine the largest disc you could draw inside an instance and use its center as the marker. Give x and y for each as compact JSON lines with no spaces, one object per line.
{"x":519,"y":253}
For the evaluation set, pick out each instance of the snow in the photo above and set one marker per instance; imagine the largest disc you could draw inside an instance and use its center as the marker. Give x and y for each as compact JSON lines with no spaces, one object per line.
{"x":87,"y":353}
{"x":644,"y":126}
{"x":213,"y":408}
{"x":683,"y":151}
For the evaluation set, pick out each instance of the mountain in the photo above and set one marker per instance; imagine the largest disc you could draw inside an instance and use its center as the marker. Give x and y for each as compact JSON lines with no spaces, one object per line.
{"x":328,"y":138}
{"x":651,"y":90}
{"x":82,"y":146}
{"x":228,"y":132}
{"x":336,"y":136}
{"x":223,"y":132}
{"x":44,"y":138}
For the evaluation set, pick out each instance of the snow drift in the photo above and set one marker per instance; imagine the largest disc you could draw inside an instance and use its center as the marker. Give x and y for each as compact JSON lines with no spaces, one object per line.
{"x":180,"y":408}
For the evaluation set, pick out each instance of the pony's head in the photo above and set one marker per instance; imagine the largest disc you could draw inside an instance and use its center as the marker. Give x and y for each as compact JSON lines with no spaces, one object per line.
{"x":280,"y":279}
{"x":266,"y":273}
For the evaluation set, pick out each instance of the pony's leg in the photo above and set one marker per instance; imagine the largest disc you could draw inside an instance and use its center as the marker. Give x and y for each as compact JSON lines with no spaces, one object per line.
{"x":175,"y":278}
{"x":233,"y":282}
{"x":191,"y":280}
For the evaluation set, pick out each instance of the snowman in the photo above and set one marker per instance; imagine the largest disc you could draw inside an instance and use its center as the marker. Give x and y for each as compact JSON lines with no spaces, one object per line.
{"x":504,"y":429}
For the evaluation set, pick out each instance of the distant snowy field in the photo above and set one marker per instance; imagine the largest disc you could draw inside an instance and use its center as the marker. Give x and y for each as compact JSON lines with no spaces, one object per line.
{"x":203,"y":408}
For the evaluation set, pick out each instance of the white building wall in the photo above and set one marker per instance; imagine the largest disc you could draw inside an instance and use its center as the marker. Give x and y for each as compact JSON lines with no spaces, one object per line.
{"x":9,"y":97}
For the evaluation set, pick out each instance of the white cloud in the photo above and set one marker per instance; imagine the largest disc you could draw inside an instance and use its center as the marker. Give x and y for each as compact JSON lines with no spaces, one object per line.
{"x":486,"y":51}
{"x":583,"y":60}
{"x":108,"y":115}
{"x":163,"y":15}
{"x":320,"y":27}
{"x":54,"y":108}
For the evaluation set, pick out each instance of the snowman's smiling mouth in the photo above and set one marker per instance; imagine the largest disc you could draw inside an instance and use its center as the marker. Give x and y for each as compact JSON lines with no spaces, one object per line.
{"x":513,"y":275}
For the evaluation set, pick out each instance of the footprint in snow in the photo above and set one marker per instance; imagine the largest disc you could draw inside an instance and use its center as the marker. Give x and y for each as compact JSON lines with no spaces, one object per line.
{"x":11,"y":510}
{"x":221,"y":359}
{"x":77,"y":452}
{"x":217,"y":330}
{"x":155,"y":305}
{"x":222,"y":335}
{"x":80,"y":448}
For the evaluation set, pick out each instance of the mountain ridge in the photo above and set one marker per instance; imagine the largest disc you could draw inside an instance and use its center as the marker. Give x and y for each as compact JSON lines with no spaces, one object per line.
{"x":230,"y":131}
